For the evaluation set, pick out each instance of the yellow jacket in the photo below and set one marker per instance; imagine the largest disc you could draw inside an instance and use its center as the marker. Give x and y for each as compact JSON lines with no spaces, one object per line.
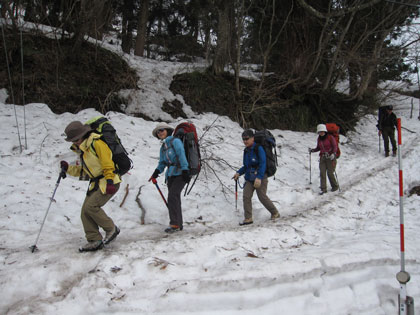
{"x":96,"y":162}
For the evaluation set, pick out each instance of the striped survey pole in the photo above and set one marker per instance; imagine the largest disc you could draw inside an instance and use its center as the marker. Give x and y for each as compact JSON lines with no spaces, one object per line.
{"x":405,"y":303}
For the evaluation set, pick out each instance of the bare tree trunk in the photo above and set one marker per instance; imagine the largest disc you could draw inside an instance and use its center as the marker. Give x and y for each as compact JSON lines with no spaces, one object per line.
{"x":142,"y":27}
{"x":371,"y":67}
{"x":336,"y":52}
{"x":240,"y":16}
{"x":221,"y":57}
{"x":127,"y":26}
{"x":272,"y":40}
{"x":99,"y":17}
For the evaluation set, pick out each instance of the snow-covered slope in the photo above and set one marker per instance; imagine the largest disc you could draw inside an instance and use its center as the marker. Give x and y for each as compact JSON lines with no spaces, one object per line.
{"x":331,"y":254}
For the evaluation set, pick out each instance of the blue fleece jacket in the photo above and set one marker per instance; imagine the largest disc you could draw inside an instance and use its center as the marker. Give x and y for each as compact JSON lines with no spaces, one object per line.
{"x":172,"y":155}
{"x":253,"y":165}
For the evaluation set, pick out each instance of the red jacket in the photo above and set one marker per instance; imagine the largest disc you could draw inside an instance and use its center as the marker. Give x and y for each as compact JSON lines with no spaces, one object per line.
{"x":328,"y":145}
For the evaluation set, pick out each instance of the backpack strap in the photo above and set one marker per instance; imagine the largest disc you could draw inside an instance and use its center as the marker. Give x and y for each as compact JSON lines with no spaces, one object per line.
{"x":171,"y":142}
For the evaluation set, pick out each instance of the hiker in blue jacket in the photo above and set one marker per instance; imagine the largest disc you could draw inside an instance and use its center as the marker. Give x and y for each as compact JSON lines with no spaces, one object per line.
{"x":254,"y":166}
{"x":172,"y":156}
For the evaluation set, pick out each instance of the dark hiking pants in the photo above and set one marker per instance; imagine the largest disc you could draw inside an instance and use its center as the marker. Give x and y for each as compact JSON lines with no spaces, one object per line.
{"x":175,"y":186}
{"x":388,"y":133}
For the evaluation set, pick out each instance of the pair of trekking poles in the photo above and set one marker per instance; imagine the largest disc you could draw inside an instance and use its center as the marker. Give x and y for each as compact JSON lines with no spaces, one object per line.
{"x":310,"y":173}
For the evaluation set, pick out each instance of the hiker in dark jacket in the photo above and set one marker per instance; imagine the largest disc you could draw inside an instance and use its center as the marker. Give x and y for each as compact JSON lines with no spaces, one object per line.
{"x":327,"y":147}
{"x":96,"y":164}
{"x":254,"y":165}
{"x":386,"y":125}
{"x":172,"y":156}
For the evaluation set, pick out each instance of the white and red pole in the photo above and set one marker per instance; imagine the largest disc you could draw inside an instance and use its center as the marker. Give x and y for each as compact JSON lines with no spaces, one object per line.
{"x":406,"y":303}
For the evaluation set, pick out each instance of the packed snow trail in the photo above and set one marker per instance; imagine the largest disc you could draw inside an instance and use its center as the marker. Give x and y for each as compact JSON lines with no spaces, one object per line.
{"x":331,"y":254}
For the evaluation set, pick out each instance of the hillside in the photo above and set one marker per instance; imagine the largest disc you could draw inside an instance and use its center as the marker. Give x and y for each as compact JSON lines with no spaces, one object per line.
{"x":331,"y":254}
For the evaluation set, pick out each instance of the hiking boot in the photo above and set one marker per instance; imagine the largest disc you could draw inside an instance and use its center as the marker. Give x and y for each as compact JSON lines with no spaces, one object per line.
{"x":246,"y":222}
{"x":334,"y":189}
{"x":322,"y":192}
{"x":91,"y":246}
{"x":173,"y":228}
{"x":386,"y":154}
{"x":110,"y":236}
{"x":394,"y":153}
{"x":275,"y":216}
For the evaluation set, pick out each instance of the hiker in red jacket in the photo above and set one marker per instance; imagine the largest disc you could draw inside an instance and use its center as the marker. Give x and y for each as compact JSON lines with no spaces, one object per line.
{"x":327,"y":146}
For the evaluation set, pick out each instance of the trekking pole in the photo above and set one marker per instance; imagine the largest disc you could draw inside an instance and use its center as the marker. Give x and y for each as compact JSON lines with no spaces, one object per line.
{"x":160,"y":192}
{"x":310,"y":168}
{"x":379,"y":142}
{"x":62,"y":175}
{"x":236,"y":195}
{"x":336,"y":178}
{"x":187,"y":193}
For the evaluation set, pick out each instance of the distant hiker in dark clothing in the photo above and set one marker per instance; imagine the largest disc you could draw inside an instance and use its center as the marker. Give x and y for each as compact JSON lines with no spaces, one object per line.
{"x":386,"y":125}
{"x":97,"y":164}
{"x":327,"y":146}
{"x":172,"y":156}
{"x":254,"y":166}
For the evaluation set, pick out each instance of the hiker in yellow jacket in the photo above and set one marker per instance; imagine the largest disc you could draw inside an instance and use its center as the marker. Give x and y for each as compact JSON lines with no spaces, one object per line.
{"x":97,"y":164}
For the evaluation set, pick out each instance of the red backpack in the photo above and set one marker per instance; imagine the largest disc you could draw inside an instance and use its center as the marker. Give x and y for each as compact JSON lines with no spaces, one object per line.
{"x":187,"y":132}
{"x":333,"y":129}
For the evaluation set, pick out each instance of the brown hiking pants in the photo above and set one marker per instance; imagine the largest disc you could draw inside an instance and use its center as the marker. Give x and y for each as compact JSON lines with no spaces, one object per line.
{"x":262,"y":196}
{"x":93,"y":216}
{"x":327,"y":168}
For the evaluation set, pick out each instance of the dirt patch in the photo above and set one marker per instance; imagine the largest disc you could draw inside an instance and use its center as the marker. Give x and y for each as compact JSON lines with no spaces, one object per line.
{"x":414,"y":190}
{"x":66,"y":80}
{"x":287,"y":107}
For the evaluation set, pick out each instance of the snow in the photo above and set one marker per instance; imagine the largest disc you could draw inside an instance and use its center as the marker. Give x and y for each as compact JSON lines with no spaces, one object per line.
{"x":331,"y":254}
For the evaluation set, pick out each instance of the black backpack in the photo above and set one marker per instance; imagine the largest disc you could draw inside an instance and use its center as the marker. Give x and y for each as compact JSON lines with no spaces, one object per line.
{"x":266,"y":139}
{"x":102,"y":126}
{"x":381,"y":115}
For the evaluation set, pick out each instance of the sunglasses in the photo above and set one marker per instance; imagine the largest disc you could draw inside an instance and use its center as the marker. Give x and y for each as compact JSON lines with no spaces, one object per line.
{"x":161,"y":130}
{"x":245,"y":139}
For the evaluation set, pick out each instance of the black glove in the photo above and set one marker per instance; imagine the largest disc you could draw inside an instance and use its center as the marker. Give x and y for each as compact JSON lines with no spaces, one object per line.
{"x":154,"y":175}
{"x":64,"y":165}
{"x":186,"y":176}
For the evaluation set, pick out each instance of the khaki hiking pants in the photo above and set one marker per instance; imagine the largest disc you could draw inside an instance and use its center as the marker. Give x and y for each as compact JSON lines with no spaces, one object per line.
{"x":327,"y":168}
{"x":93,"y":216}
{"x":262,"y":196}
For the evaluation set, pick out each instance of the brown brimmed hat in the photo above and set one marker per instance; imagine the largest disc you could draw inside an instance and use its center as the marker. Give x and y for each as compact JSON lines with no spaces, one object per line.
{"x":76,"y":130}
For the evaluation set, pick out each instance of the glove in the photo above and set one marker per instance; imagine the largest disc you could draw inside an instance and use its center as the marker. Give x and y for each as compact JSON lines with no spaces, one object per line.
{"x":110,"y":187}
{"x":257,"y":183}
{"x":236,"y":176}
{"x":186,"y":176}
{"x":154,"y":176}
{"x":310,"y":150}
{"x":64,"y":166}
{"x":332,"y":156}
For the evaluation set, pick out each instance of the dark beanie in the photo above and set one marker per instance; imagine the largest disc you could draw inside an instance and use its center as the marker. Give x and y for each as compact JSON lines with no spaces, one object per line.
{"x":248,"y":133}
